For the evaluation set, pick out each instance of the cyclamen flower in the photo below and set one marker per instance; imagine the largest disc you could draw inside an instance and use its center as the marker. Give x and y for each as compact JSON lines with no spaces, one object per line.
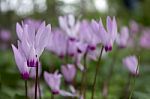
{"x":145,"y":39}
{"x":131,"y":64}
{"x":53,"y":81}
{"x":60,"y":45}
{"x":21,"y":63}
{"x":5,"y":35}
{"x":134,"y":27}
{"x":122,"y":38}
{"x":87,"y":35}
{"x":70,"y":26}
{"x":107,"y":37}
{"x":68,"y":72}
{"x":57,"y":42}
{"x":33,"y":41}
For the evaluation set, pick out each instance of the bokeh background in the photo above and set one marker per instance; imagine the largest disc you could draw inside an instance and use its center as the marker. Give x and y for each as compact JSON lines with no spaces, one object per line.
{"x":127,"y":12}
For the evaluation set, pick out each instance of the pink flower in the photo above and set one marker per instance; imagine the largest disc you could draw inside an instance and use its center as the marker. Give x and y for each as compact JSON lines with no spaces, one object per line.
{"x":131,"y":63}
{"x":87,"y":35}
{"x":108,"y":36}
{"x":122,"y":38}
{"x":134,"y":27}
{"x":5,"y":35}
{"x":21,"y":63}
{"x":53,"y":81}
{"x":32,"y":41}
{"x":69,"y":25}
{"x":145,"y":39}
{"x":57,"y":42}
{"x":60,"y":45}
{"x":69,"y":72}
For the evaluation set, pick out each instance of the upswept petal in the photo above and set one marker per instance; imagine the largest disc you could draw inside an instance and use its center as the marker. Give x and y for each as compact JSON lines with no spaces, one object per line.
{"x":18,"y":58}
{"x":63,"y":22}
{"x":19,"y":31}
{"x":114,"y":28}
{"x":71,"y":20}
{"x":109,"y":25}
{"x":20,"y":61}
{"x":39,"y":33}
{"x":43,"y":40}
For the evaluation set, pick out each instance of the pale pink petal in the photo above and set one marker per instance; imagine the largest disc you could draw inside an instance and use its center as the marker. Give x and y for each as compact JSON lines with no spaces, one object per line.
{"x":19,"y":31}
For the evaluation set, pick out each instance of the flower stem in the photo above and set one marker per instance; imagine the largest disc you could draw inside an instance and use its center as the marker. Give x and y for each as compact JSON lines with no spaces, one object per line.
{"x":133,"y":83}
{"x":26,"y":89}
{"x":97,"y":68}
{"x":67,"y":48}
{"x":83,"y":81}
{"x":39,"y":90}
{"x":52,"y":96}
{"x":36,"y":82}
{"x":110,"y":74}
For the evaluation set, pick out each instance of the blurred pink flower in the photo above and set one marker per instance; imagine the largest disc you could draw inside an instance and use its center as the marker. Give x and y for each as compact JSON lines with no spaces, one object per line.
{"x":5,"y":35}
{"x":21,"y":62}
{"x":145,"y":39}
{"x":53,"y":81}
{"x":131,"y":63}
{"x":60,"y":45}
{"x":69,"y":72}
{"x":122,"y":38}
{"x":32,"y":42}
{"x":57,"y":42}
{"x":87,"y":35}
{"x":134,"y":27}
{"x":108,"y":36}
{"x":69,"y":25}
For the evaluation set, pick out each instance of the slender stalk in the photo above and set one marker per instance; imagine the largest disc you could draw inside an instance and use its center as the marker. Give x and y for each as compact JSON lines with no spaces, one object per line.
{"x":52,"y":96}
{"x":125,"y":92}
{"x":133,"y":83}
{"x":85,"y":76}
{"x":39,"y":90}
{"x":67,"y":48}
{"x":132,"y":89}
{"x":83,"y":84}
{"x":110,"y":74}
{"x":97,"y":68}
{"x":36,"y":83}
{"x":26,"y":89}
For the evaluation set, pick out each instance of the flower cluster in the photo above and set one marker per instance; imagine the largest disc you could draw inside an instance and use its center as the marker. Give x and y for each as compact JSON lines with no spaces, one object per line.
{"x":73,"y":40}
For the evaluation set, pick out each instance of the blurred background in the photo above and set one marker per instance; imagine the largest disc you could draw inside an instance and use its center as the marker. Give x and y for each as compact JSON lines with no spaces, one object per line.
{"x":130,"y":13}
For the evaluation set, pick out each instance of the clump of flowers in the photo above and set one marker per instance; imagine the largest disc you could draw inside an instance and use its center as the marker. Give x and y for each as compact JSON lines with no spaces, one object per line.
{"x":75,"y":42}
